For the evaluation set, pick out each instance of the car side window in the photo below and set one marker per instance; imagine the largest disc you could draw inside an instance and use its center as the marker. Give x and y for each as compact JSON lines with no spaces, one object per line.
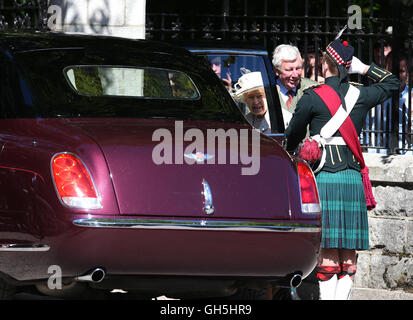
{"x":150,"y":83}
{"x":230,"y":68}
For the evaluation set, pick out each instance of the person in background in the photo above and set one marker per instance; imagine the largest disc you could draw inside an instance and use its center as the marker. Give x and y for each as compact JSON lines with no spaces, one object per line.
{"x":381,"y":116}
{"x":312,"y":70}
{"x":379,"y":55}
{"x":216,"y":65}
{"x":288,"y":67}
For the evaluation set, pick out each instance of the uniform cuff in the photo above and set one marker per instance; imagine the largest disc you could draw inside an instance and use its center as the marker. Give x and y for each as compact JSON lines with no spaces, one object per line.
{"x":376,"y":73}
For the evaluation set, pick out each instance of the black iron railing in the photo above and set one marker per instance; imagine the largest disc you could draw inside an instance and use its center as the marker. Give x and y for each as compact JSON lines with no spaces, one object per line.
{"x":23,"y":15}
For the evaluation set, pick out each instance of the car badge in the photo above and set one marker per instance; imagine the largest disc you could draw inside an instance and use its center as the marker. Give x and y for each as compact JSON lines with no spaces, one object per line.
{"x":208,"y":205}
{"x":199,"y":157}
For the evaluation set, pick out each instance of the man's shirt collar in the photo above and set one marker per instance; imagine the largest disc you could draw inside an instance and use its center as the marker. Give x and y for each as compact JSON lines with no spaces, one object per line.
{"x":283,"y":89}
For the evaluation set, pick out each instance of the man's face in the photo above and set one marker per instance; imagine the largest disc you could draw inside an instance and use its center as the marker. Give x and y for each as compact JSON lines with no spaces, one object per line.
{"x":290,"y":73}
{"x":256,"y":102}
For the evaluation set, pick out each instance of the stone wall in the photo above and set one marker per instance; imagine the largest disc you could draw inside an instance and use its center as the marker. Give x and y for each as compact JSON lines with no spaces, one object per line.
{"x":389,"y":262}
{"x":122,"y":18}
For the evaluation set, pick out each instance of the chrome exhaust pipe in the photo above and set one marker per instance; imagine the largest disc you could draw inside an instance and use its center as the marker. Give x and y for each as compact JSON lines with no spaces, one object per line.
{"x":96,"y":275}
{"x":296,"y":280}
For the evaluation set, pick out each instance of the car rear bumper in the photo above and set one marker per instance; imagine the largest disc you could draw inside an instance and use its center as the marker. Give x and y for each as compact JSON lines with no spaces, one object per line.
{"x":200,"y":224}
{"x":166,"y":247}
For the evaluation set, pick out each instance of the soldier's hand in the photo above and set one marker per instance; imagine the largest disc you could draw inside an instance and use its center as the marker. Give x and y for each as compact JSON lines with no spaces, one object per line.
{"x":358,"y":67}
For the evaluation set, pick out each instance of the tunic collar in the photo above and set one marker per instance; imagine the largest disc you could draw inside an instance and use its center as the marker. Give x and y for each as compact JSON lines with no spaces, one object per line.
{"x":333,"y":82}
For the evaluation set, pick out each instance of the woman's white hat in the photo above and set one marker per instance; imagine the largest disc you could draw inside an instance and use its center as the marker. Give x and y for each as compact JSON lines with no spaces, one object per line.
{"x":247,"y":82}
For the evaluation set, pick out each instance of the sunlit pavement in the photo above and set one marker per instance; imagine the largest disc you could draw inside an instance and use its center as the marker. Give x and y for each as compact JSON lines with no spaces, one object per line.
{"x":305,"y":292}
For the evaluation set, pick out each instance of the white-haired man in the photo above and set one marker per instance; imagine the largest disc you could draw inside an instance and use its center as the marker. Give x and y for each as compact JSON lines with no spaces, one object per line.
{"x":288,"y":67}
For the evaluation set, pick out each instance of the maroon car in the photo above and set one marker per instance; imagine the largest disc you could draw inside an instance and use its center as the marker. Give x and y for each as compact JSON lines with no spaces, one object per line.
{"x":125,"y":164}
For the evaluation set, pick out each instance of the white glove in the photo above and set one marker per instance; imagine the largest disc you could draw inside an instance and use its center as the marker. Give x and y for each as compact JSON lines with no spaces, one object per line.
{"x":358,"y":67}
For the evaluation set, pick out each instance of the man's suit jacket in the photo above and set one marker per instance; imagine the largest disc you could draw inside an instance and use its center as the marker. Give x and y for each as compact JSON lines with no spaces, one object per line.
{"x":305,"y":83}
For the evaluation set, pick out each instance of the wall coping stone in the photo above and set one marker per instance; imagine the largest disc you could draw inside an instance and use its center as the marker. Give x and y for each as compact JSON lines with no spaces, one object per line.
{"x":396,"y":169}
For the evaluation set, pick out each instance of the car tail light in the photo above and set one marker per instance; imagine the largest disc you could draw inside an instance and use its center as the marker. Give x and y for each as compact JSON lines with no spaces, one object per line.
{"x":310,"y":202}
{"x":74,"y":183}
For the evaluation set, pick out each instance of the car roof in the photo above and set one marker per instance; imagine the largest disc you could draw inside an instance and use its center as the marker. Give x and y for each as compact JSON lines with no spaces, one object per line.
{"x":36,"y":41}
{"x":232,"y":51}
{"x":92,"y":49}
{"x":220,"y":46}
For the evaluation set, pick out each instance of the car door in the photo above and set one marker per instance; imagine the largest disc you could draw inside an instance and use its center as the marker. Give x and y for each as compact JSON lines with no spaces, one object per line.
{"x":230,"y":65}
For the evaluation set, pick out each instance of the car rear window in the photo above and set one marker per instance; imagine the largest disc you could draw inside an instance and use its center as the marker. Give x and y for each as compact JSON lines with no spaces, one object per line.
{"x":125,"y":83}
{"x":148,"y":83}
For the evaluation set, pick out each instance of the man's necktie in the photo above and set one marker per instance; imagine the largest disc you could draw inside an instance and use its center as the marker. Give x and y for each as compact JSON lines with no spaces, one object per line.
{"x":290,"y":98}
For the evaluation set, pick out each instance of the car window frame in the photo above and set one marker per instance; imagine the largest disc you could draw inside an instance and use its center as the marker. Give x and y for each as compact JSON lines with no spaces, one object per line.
{"x":65,"y":69}
{"x":274,"y":105}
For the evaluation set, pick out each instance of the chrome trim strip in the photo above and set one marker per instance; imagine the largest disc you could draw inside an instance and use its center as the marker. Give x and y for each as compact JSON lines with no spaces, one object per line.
{"x":195,"y":225}
{"x":24,"y":247}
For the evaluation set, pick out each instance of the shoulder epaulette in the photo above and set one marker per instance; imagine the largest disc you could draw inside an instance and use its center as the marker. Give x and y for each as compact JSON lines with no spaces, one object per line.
{"x":356,"y":84}
{"x":312,"y":86}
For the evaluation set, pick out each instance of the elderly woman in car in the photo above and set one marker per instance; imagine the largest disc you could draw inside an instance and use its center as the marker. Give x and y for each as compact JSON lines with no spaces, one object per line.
{"x":250,"y":90}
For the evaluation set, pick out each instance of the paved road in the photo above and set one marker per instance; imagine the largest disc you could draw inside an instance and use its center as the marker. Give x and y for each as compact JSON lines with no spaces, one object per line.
{"x":308,"y":290}
{"x":356,"y":294}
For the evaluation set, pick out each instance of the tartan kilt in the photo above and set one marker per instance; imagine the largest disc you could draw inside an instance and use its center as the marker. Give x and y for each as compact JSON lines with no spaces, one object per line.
{"x":344,"y":210}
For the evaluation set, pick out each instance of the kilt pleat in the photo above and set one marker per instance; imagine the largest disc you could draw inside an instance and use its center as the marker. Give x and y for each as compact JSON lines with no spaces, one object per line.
{"x":344,"y":210}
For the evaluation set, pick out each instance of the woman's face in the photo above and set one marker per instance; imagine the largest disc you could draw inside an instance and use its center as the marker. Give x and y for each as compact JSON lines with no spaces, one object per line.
{"x":256,"y":102}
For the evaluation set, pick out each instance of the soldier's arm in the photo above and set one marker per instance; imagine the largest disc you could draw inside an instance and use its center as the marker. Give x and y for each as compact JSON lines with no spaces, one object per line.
{"x":385,"y":84}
